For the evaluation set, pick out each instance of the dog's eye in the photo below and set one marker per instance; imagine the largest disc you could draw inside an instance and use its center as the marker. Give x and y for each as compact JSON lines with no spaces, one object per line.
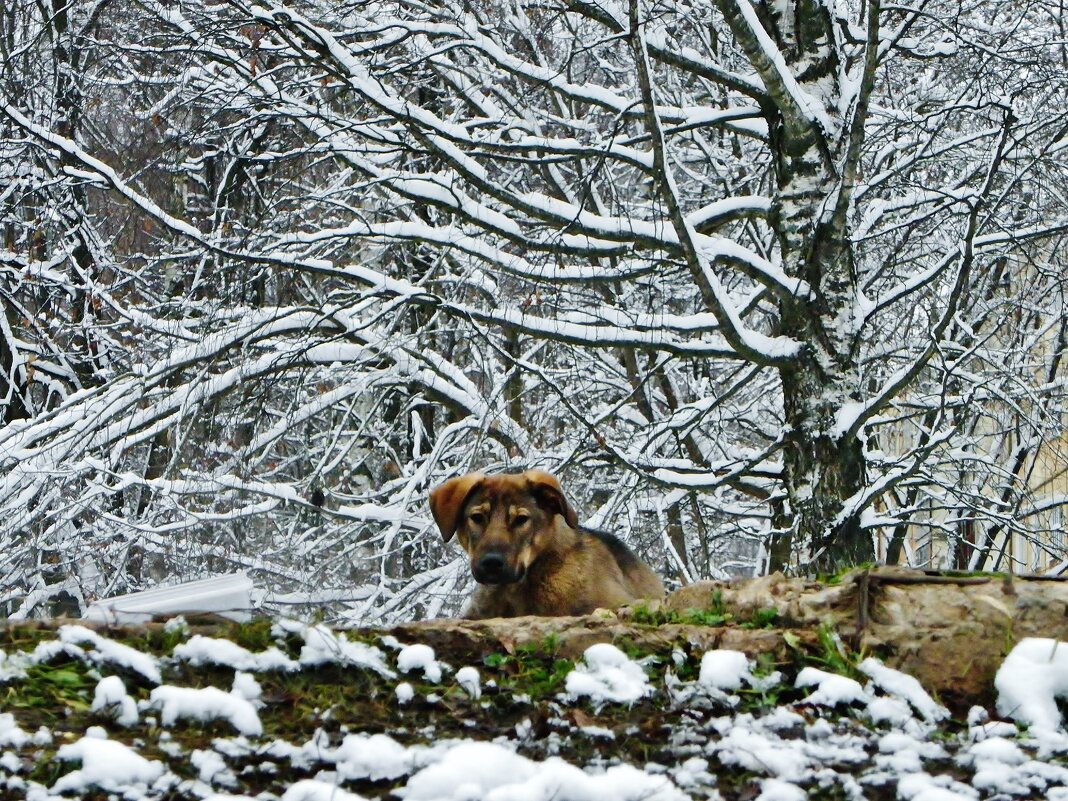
{"x":477,"y":518}
{"x":519,"y":520}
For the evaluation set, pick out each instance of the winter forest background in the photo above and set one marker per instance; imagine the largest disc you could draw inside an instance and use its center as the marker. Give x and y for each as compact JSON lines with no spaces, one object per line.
{"x":767,"y":284}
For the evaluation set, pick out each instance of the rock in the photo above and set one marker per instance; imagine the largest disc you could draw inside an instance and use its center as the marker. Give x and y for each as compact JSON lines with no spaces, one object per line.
{"x":950,"y":632}
{"x":799,"y":602}
{"x":571,"y":636}
{"x":953,"y":636}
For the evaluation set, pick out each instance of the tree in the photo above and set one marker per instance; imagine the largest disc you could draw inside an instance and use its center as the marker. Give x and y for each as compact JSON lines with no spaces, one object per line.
{"x":738,"y":271}
{"x":782,"y":278}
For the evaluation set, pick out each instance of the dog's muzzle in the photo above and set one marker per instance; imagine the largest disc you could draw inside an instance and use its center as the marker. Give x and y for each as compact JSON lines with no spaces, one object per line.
{"x":493,"y":568}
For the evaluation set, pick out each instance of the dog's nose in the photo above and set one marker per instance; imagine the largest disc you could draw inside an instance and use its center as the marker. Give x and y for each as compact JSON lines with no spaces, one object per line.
{"x":491,"y":566}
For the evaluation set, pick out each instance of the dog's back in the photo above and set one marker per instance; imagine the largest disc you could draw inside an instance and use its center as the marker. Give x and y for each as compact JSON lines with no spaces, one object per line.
{"x":640,"y":580}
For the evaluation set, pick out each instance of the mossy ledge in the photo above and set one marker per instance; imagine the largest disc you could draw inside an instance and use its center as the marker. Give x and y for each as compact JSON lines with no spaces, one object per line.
{"x":951,"y":632}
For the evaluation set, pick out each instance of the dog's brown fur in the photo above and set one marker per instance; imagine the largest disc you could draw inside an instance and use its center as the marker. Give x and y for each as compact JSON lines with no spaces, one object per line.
{"x":528,"y":552}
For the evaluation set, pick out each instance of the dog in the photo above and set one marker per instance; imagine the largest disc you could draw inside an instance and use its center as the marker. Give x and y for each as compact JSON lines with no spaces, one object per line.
{"x":528,"y":553}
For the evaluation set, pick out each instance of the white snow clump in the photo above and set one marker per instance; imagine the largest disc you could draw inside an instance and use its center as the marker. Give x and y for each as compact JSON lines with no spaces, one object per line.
{"x":106,"y":764}
{"x":111,"y":695}
{"x":204,"y":704}
{"x":419,"y":657}
{"x":1032,"y":677}
{"x":607,"y":674}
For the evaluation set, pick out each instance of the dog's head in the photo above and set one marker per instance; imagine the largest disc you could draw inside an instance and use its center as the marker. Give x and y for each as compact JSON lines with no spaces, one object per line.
{"x":502,"y":521}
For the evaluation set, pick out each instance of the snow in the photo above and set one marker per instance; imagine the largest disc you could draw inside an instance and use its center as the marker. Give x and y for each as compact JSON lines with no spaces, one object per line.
{"x":997,"y":749}
{"x":205,"y":704}
{"x":903,"y":687}
{"x":105,"y":650}
{"x":724,"y":670}
{"x":821,"y":738}
{"x":890,"y":697}
{"x":806,"y":104}
{"x":315,"y":790}
{"x":778,"y":790}
{"x":889,"y":710}
{"x":831,"y":689}
{"x":468,"y":678}
{"x":608,"y":675}
{"x":246,"y":686}
{"x":11,"y":734}
{"x":201,"y":650}
{"x":111,"y":695}
{"x":419,"y":657}
{"x":105,"y":764}
{"x":321,"y":645}
{"x":211,"y":767}
{"x":1032,"y":677}
{"x":494,"y":773}
{"x":923,"y":787}
{"x":375,"y":757}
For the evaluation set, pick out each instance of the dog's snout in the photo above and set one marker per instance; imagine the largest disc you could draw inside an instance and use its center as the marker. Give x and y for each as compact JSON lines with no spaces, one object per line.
{"x":492,"y":565}
{"x":493,"y":568}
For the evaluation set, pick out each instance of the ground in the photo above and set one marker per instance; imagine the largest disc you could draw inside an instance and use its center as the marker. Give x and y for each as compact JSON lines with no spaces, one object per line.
{"x":274,"y":709}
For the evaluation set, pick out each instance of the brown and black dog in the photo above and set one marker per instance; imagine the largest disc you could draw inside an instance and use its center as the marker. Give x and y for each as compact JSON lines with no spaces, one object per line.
{"x":528,"y":553}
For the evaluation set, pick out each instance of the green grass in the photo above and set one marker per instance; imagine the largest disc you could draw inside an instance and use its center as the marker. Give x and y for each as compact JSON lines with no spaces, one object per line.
{"x":66,"y":684}
{"x":835,"y":657}
{"x":973,"y":574}
{"x":717,"y":614}
{"x":834,"y":579}
{"x":535,"y":669}
{"x":767,"y":618}
{"x":769,"y":697}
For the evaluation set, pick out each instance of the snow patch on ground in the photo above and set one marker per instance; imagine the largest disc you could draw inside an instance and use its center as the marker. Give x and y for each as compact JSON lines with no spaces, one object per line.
{"x":246,"y":686}
{"x":105,"y":650}
{"x":321,"y":645}
{"x":375,"y":757}
{"x":315,"y":790}
{"x":110,"y":696}
{"x":419,"y":657}
{"x":201,"y":650}
{"x":212,"y":768}
{"x":491,"y":772}
{"x":831,"y":689}
{"x":1031,"y":679}
{"x":106,"y":765}
{"x":903,"y":687}
{"x":606,"y":674}
{"x":404,"y":692}
{"x":724,"y":670}
{"x":469,"y":680}
{"x":11,"y":734}
{"x":205,"y":704}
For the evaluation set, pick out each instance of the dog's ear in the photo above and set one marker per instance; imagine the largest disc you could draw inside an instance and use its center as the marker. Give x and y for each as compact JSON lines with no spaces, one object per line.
{"x":550,"y":494}
{"x":447,"y":501}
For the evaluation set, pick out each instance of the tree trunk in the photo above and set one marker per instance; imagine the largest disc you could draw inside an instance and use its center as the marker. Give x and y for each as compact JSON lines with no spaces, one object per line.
{"x":822,"y":471}
{"x":815,"y":151}
{"x":14,"y":384}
